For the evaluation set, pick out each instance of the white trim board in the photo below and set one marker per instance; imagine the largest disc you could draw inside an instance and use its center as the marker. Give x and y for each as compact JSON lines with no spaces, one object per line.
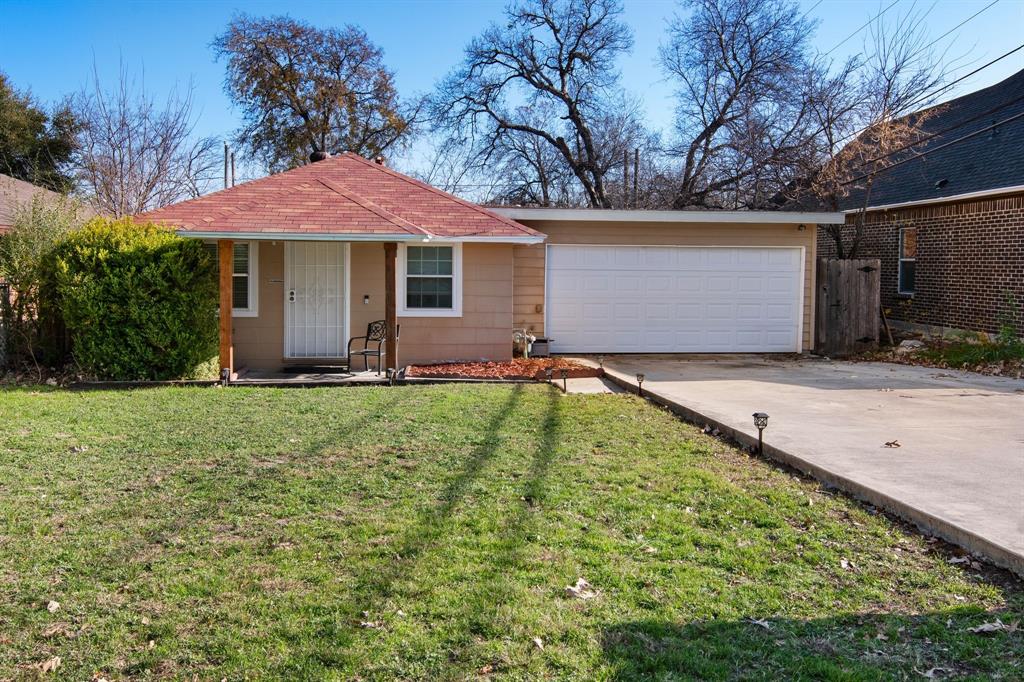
{"x":341,"y":237}
{"x":401,"y":275}
{"x":642,"y":216}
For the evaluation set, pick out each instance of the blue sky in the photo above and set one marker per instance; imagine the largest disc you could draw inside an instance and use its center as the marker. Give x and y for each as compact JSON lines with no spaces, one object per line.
{"x":50,"y":47}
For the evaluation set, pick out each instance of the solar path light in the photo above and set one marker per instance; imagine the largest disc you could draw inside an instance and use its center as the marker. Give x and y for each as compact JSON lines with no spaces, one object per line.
{"x":761,"y":422}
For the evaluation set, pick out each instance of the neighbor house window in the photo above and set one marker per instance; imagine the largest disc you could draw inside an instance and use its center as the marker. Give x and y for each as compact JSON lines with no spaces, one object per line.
{"x":244,"y":263}
{"x":908,"y":259}
{"x":430,"y":280}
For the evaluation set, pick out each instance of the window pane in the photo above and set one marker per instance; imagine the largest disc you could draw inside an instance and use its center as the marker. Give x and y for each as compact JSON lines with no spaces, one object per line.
{"x":907,"y":273}
{"x":428,"y":292}
{"x":241,"y":259}
{"x":908,"y":242}
{"x":240,"y":291}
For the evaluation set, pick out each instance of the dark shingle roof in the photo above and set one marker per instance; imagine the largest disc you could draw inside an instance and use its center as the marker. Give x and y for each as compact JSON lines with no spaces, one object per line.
{"x":989,"y":160}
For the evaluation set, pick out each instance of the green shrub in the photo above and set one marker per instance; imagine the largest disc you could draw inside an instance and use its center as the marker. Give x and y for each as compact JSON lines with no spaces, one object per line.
{"x":139,"y":302}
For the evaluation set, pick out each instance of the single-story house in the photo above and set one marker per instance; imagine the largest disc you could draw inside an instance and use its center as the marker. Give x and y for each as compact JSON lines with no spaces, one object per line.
{"x":309,"y":257}
{"x":947,"y":218}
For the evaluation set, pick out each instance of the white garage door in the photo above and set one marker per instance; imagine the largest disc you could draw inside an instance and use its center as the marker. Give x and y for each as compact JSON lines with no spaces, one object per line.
{"x":664,"y":299}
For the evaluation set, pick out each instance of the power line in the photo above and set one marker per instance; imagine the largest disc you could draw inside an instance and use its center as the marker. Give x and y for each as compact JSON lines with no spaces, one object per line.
{"x":868,"y":23}
{"x":812,"y":9}
{"x":994,"y":2}
{"x":951,"y":128}
{"x":941,"y":146}
{"x":933,"y":93}
{"x":965,"y":76}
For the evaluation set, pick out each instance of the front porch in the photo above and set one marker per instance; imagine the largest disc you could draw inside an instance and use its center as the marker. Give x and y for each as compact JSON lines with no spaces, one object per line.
{"x":298,"y":302}
{"x":289,"y":303}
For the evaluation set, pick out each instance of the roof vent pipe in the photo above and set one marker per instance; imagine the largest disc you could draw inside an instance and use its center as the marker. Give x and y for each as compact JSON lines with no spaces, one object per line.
{"x":319,"y":156}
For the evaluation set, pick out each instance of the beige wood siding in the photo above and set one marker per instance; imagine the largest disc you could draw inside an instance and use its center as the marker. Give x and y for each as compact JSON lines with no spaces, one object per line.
{"x":483,"y":332}
{"x":529,"y":260}
{"x":259,"y":341}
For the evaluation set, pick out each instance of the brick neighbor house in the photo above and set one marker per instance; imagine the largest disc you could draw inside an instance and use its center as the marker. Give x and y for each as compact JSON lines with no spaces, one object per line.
{"x":948,"y":221}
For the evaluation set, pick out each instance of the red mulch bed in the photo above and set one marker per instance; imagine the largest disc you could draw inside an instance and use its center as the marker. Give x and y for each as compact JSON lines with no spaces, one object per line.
{"x":520,"y":368}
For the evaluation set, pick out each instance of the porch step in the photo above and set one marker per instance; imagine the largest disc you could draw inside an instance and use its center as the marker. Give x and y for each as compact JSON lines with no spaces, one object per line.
{"x":315,"y":369}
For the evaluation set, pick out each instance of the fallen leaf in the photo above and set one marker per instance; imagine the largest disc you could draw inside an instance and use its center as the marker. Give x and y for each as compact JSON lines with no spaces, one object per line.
{"x":893,"y":444}
{"x":56,"y":629}
{"x":52,"y":606}
{"x":995,"y":626}
{"x":539,"y":643}
{"x":581,"y":590}
{"x":760,"y":623}
{"x":958,"y":560}
{"x":76,"y":449}
{"x":49,"y":665}
{"x":931,"y":673}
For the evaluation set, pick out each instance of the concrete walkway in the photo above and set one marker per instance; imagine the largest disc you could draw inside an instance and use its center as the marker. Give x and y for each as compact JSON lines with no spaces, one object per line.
{"x":959,"y":467}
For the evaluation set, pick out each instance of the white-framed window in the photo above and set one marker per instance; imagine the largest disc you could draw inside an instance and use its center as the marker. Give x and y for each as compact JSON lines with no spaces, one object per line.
{"x":429,"y":280}
{"x":908,"y":261}
{"x":244,"y":277}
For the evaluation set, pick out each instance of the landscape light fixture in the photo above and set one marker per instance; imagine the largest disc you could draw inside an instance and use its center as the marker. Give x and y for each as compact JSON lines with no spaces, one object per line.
{"x":640,"y":384}
{"x":391,"y":375}
{"x":760,"y":421}
{"x":565,"y":376}
{"x":600,"y":361}
{"x":549,"y":373}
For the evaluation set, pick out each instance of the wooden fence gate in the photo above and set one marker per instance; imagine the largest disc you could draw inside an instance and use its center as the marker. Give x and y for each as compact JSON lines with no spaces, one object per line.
{"x":848,"y":306}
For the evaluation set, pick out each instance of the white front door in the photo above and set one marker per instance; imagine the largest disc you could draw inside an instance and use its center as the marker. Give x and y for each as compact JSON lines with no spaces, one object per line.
{"x":316,"y":299}
{"x":670,"y":299}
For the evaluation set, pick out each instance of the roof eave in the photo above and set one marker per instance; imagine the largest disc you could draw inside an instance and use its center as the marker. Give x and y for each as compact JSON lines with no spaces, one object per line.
{"x":355,"y":237}
{"x":645,"y":216}
{"x":980,"y":194}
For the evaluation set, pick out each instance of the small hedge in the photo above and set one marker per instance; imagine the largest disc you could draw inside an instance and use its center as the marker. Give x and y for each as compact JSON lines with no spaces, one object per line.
{"x":139,"y":302}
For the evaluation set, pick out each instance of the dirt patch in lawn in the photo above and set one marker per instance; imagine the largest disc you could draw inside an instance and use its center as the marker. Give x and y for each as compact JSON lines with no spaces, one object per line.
{"x":520,"y":368}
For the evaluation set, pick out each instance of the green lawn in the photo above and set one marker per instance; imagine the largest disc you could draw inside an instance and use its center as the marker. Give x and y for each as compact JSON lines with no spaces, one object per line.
{"x":430,"y":532}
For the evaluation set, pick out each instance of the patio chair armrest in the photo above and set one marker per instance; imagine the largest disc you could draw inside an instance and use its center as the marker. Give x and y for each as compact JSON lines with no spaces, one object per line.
{"x":354,"y":338}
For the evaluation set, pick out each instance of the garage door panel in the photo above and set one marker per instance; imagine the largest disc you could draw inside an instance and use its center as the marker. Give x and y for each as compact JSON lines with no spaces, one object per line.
{"x":673,"y":299}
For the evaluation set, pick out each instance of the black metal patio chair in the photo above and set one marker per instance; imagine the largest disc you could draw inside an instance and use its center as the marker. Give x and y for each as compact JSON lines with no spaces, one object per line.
{"x":376,"y":332}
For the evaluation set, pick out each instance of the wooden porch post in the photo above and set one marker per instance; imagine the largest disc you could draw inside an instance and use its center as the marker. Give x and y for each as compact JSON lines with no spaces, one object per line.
{"x":225,"y":255}
{"x":390,"y":307}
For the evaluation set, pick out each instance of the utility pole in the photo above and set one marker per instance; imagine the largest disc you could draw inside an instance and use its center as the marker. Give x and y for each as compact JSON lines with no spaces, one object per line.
{"x":636,"y":175}
{"x":625,"y":178}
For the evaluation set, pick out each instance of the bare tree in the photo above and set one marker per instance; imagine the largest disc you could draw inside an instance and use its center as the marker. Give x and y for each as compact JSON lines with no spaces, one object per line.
{"x":545,"y":79}
{"x":871,"y":115}
{"x":740,"y":68}
{"x":304,"y":89}
{"x":134,"y":155}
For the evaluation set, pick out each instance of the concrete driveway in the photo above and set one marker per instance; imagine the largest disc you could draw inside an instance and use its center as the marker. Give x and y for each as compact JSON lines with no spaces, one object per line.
{"x":959,"y":470}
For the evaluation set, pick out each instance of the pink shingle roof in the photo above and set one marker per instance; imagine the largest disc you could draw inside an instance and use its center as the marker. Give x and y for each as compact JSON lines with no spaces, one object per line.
{"x":344,"y":194}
